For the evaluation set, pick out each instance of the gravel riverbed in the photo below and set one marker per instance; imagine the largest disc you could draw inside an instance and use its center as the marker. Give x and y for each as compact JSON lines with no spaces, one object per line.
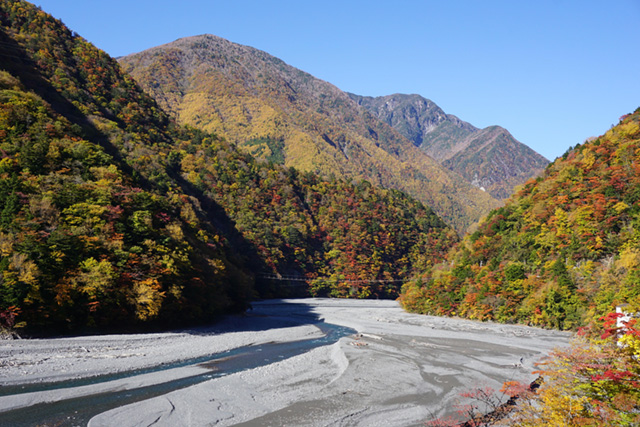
{"x":397,"y":369}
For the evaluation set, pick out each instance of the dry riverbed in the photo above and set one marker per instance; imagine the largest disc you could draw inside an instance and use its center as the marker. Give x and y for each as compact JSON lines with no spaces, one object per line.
{"x":396,"y":369}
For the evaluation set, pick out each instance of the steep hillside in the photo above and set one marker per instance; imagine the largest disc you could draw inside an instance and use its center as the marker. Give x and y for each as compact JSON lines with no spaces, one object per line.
{"x":562,"y":252}
{"x":490,"y":158}
{"x":286,"y":116}
{"x":494,"y":160}
{"x":112,"y":216}
{"x":420,"y":120}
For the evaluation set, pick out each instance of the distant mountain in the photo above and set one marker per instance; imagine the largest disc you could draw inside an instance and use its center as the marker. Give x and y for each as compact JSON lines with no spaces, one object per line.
{"x":420,"y":120}
{"x":561,"y":253}
{"x":283,"y":115}
{"x":113,"y":217}
{"x":489,"y":158}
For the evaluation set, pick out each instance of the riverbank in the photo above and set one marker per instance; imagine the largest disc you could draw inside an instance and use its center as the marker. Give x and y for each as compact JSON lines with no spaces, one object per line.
{"x":398,"y":369}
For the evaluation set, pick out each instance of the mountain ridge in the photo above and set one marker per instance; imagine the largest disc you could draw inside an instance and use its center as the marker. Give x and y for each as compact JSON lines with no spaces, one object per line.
{"x":489,"y":158}
{"x":421,"y":118}
{"x":276,"y":111}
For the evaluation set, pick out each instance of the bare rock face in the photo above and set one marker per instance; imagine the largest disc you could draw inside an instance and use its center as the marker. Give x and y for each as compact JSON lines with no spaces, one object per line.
{"x":491,"y":158}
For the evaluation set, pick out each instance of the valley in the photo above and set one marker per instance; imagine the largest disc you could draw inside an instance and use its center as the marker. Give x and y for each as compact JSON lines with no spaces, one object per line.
{"x":201,"y":233}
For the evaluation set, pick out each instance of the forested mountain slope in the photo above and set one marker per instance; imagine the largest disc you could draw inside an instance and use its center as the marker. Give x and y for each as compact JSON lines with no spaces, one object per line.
{"x":284,"y":115}
{"x":113,"y":217}
{"x":562,"y":252}
{"x":490,"y":158}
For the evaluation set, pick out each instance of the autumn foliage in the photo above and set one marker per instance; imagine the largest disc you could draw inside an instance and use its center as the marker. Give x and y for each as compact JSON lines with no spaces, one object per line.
{"x":114,"y":217}
{"x":563,"y":251}
{"x":594,"y":382}
{"x":278,"y":113}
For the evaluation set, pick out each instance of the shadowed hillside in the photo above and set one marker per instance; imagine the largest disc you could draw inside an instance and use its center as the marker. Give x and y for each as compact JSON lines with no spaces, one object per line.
{"x":112,"y":217}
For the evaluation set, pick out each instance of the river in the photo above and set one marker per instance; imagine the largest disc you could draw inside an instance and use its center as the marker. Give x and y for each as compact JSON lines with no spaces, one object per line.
{"x":78,"y":411}
{"x":294,"y":362}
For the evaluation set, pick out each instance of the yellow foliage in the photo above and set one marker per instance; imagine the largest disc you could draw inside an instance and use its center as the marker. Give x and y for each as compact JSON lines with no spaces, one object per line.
{"x":562,"y":223}
{"x":26,"y":271}
{"x":175,"y":231}
{"x":193,"y":177}
{"x":109,"y":174}
{"x":301,"y":152}
{"x":629,"y":129}
{"x":7,"y":164}
{"x":325,"y":136}
{"x":189,"y":215}
{"x":588,"y":158}
{"x":83,"y":214}
{"x":581,"y":388}
{"x":6,"y":244}
{"x":631,"y":343}
{"x":620,"y":207}
{"x":147,"y":298}
{"x":44,"y":208}
{"x":96,"y":277}
{"x":217,"y":265}
{"x":175,"y":291}
{"x":629,"y":259}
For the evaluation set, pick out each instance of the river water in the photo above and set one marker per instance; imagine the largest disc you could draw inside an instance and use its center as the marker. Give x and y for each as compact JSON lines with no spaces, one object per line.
{"x":78,"y":411}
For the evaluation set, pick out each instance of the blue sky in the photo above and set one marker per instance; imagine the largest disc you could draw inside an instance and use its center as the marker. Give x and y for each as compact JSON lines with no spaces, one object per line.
{"x":553,"y":72}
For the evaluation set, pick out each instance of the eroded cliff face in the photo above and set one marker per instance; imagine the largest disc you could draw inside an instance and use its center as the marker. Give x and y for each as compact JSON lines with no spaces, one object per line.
{"x":490,"y":159}
{"x":419,"y":119}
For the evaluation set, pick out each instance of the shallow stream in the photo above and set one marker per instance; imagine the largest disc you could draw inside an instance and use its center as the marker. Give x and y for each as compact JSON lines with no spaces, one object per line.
{"x":78,"y":411}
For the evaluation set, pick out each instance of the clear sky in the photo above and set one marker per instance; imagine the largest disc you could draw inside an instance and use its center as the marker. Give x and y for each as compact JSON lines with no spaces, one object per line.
{"x":553,"y":72}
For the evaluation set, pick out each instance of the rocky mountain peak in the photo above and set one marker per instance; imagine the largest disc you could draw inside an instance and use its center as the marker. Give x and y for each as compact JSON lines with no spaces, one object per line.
{"x":491,"y":158}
